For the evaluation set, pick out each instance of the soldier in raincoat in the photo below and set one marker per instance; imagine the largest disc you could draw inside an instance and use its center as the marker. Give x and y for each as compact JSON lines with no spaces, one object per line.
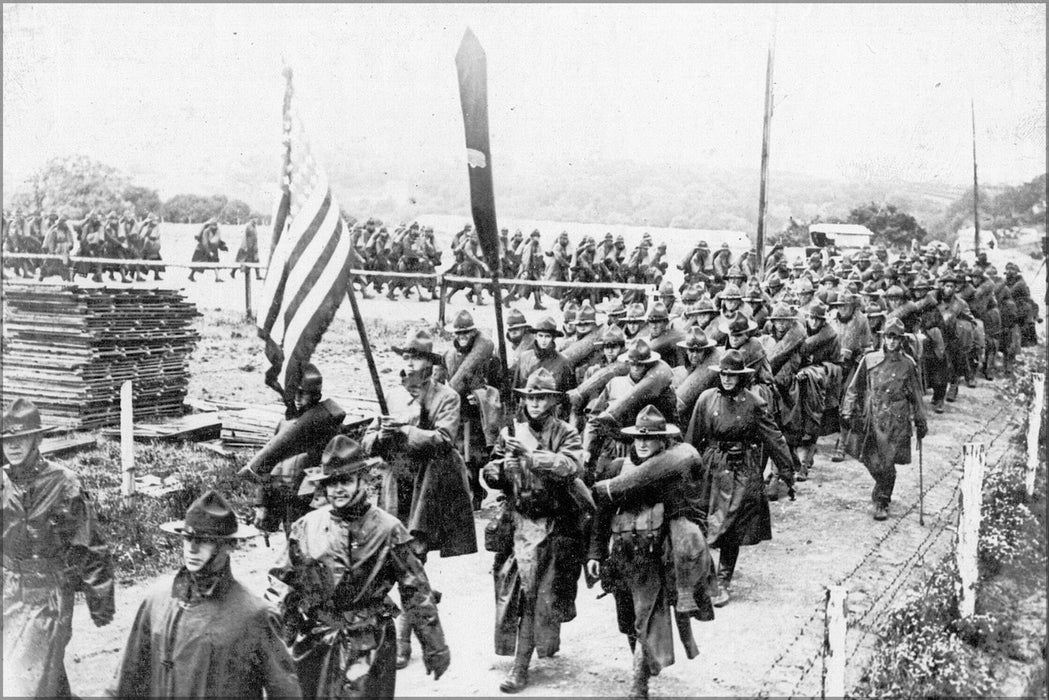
{"x":333,"y":583}
{"x":734,"y":432}
{"x":880,"y":403}
{"x":51,"y":549}
{"x":426,"y":484}
{"x":647,"y":545}
{"x":537,"y":566}
{"x":205,"y":635}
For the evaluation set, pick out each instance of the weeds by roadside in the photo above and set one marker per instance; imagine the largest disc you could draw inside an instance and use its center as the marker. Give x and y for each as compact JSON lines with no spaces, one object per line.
{"x":139,"y":548}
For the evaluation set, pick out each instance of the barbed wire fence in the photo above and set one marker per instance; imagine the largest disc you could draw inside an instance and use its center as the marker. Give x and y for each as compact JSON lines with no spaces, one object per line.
{"x":815,"y":625}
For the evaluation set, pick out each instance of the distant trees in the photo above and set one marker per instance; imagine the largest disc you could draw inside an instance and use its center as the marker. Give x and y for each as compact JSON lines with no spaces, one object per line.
{"x":890,"y":225}
{"x":195,"y":208}
{"x":73,"y":185}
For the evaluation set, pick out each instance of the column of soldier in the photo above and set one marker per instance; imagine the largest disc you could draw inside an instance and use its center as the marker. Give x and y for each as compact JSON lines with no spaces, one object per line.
{"x":109,"y":237}
{"x":639,"y":445}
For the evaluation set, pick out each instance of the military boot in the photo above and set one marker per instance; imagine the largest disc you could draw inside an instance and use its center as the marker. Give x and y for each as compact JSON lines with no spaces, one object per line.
{"x":404,"y":641}
{"x":952,"y":392}
{"x":839,"y":451}
{"x":517,"y":679}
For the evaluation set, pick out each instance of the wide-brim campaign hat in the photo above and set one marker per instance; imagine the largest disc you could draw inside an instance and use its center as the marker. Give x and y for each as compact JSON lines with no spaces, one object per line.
{"x":782,"y":312}
{"x":732,"y":363}
{"x":418,"y":343}
{"x":639,"y":352}
{"x":539,"y":383}
{"x":739,"y":324}
{"x":613,"y":335}
{"x":22,"y":419}
{"x":894,"y":326}
{"x":697,"y":340}
{"x":463,"y":323}
{"x":342,"y":456}
{"x":516,"y":319}
{"x":635,"y":313}
{"x":658,"y":312}
{"x":651,"y":423}
{"x":547,"y":325}
{"x":731,"y":291}
{"x":846,"y":299}
{"x":210,"y":517}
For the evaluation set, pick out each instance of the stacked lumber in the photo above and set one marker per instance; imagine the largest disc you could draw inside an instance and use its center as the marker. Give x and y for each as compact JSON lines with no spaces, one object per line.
{"x":250,"y":426}
{"x":69,"y":348}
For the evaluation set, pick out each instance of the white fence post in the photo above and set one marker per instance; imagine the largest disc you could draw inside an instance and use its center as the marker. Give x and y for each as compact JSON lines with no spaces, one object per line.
{"x":127,"y":442}
{"x":973,"y":456}
{"x":1034,"y":426}
{"x":834,"y":643}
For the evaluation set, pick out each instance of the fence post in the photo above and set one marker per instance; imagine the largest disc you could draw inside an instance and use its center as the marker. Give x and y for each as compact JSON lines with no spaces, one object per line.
{"x":127,"y":442}
{"x":973,"y":456}
{"x":441,"y":300}
{"x":248,"y":315}
{"x":834,"y":643}
{"x":1034,"y":426}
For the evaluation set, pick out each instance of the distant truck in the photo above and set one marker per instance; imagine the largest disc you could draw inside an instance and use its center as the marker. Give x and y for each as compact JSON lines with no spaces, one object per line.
{"x":835,"y":240}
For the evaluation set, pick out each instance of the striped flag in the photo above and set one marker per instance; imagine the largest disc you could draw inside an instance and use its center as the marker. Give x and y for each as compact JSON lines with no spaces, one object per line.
{"x":307,"y":276}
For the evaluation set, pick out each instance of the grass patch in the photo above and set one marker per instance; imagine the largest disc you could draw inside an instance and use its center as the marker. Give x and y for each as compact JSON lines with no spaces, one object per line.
{"x":140,"y":549}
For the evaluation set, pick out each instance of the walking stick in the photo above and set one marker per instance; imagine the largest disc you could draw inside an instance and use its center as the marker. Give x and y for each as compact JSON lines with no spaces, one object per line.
{"x":921,"y":486}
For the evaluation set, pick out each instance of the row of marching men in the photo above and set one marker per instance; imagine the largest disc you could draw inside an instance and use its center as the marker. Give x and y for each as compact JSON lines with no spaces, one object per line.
{"x":639,"y":446}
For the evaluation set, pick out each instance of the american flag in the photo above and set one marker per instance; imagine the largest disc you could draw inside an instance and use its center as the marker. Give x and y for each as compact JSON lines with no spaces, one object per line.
{"x":307,"y":276}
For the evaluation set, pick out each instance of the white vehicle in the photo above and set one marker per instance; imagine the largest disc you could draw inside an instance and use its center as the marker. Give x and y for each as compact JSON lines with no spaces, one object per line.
{"x":847,"y":238}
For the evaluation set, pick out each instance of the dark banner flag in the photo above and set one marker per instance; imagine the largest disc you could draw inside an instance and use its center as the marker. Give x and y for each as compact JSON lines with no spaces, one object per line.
{"x":473,"y":93}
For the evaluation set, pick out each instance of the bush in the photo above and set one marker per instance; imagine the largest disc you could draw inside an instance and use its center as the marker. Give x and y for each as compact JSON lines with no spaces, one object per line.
{"x":132,"y":530}
{"x":1006,"y":517}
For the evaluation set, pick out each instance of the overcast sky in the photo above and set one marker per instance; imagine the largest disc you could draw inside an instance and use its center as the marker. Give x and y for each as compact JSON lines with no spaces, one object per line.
{"x":176,"y":93}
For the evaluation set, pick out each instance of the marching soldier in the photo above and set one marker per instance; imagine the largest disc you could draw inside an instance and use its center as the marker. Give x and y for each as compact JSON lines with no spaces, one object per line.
{"x":734,"y":431}
{"x":333,"y":582}
{"x":209,"y":243}
{"x":647,"y":546}
{"x":249,"y":249}
{"x":519,"y":336}
{"x":536,"y":565}
{"x":880,"y":403}
{"x":52,"y":548}
{"x":280,"y":467}
{"x":206,"y":635}
{"x":426,"y":485}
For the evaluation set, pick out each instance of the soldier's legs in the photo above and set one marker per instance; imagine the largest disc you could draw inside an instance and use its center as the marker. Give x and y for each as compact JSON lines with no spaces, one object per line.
{"x":728,"y":555}
{"x":884,"y":481}
{"x":517,"y":679}
{"x":639,"y":686}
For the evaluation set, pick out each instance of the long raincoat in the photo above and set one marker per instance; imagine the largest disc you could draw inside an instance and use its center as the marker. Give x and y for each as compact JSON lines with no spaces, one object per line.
{"x":206,"y":635}
{"x":542,"y":564}
{"x":734,"y":433}
{"x":51,"y":549}
{"x":340,"y":567}
{"x":426,"y":486}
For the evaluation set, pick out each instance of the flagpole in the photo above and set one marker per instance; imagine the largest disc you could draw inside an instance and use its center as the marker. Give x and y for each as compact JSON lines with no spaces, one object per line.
{"x":759,"y":246}
{"x":363,"y":333}
{"x":976,"y":187}
{"x":472,"y":67}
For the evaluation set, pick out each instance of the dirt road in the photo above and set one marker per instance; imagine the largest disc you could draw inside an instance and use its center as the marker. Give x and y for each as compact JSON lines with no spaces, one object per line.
{"x":765,"y":642}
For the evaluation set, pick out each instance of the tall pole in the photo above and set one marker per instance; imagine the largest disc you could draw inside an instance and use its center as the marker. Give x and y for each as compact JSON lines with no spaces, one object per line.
{"x":472,"y":67}
{"x":759,"y":246}
{"x":976,"y":187}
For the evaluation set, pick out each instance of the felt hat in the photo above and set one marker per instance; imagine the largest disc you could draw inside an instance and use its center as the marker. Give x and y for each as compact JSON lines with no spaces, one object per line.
{"x":613,"y":336}
{"x":845,"y":299}
{"x":615,"y":309}
{"x":703,"y":306}
{"x":211,"y":517}
{"x":651,"y":423}
{"x":893,"y":326}
{"x":732,"y":363}
{"x":587,"y":315}
{"x":874,"y":311}
{"x":342,"y":456}
{"x":570,"y":313}
{"x":818,"y":311}
{"x":515,"y":319}
{"x":804,"y":286}
{"x":547,"y":325}
{"x":658,"y":312}
{"x":894,"y":291}
{"x":21,"y":419}
{"x":463,"y":323}
{"x":782,"y":312}
{"x":667,"y":289}
{"x":639,"y":353}
{"x":419,"y":342}
{"x":731,"y":291}
{"x":539,"y":383}
{"x":635,"y":312}
{"x":690,"y":295}
{"x":739,"y":324}
{"x":696,"y":340}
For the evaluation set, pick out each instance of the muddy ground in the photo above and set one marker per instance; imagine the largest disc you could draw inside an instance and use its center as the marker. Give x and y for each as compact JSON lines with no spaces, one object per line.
{"x":765,"y":642}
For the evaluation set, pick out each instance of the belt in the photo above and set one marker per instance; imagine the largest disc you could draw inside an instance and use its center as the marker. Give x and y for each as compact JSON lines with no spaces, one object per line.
{"x":734,"y":445}
{"x":40,"y":565}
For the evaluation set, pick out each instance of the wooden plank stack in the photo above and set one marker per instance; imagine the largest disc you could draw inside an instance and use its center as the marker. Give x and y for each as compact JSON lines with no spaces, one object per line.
{"x":69,"y":348}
